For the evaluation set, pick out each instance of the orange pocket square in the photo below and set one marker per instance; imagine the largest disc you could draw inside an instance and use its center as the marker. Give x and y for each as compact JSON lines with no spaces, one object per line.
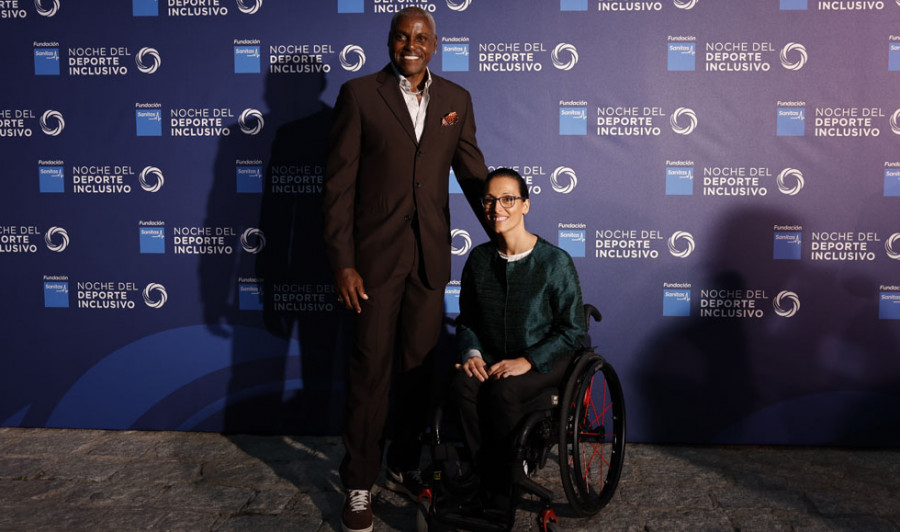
{"x":450,"y":119}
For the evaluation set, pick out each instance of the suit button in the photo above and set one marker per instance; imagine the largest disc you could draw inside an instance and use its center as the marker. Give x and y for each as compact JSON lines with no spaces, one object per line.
{"x":419,"y":153}
{"x":406,"y":218}
{"x":418,"y":185}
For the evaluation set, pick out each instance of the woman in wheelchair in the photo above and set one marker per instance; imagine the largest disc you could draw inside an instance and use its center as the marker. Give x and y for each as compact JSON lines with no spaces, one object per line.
{"x":521,"y":320}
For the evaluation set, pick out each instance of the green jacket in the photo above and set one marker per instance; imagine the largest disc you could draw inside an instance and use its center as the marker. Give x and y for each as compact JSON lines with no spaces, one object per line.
{"x":530,"y":307}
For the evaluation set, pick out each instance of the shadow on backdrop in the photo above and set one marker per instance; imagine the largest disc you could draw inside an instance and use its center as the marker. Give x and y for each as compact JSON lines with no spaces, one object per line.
{"x":275,"y":303}
{"x":824,"y":376}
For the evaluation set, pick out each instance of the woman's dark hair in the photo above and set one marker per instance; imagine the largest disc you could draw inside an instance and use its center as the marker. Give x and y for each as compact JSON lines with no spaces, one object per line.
{"x":508,"y":172}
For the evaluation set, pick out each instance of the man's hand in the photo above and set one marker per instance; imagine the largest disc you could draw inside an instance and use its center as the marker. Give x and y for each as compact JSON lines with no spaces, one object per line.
{"x":350,"y":289}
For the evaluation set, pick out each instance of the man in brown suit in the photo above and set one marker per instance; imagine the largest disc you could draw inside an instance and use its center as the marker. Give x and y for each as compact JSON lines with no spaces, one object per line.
{"x":395,"y":136}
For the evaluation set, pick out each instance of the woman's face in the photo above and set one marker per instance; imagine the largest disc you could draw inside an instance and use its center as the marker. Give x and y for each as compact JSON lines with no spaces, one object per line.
{"x":505,"y":219}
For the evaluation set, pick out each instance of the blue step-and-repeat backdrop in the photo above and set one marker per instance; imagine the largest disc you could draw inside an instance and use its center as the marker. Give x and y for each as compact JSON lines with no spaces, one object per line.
{"x":725,"y":174}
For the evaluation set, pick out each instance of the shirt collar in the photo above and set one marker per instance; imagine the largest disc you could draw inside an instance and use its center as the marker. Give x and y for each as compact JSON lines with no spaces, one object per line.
{"x":405,"y":85}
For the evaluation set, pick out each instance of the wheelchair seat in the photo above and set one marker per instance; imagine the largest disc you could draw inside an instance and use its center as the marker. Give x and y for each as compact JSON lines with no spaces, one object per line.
{"x":584,"y":418}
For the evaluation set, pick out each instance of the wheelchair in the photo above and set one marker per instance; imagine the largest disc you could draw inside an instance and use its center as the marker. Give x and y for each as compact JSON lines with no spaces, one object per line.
{"x":584,"y":418}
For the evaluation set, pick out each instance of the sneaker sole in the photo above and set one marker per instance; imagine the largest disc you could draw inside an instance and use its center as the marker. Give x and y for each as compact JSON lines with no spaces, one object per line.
{"x":346,"y":528}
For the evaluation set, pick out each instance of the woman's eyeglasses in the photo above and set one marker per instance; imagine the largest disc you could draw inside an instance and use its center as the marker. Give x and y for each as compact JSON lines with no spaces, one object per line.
{"x":507,"y":202}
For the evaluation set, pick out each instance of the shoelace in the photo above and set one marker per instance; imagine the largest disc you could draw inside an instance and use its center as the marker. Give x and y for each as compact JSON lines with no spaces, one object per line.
{"x":359,"y":500}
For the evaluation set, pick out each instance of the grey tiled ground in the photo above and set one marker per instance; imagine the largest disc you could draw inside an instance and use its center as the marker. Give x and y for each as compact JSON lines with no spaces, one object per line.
{"x":100,"y":480}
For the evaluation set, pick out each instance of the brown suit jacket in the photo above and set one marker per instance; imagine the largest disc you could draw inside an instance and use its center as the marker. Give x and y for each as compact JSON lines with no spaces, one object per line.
{"x":379,"y":178}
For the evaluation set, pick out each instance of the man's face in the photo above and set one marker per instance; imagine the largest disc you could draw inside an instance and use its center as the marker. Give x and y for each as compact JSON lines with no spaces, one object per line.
{"x":411,"y":44}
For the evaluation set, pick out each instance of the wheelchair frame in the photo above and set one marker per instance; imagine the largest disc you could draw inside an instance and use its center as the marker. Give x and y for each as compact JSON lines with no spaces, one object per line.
{"x":577,"y":418}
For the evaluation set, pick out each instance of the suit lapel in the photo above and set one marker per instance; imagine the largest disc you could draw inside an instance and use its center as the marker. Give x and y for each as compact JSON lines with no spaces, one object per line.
{"x":390,"y":93}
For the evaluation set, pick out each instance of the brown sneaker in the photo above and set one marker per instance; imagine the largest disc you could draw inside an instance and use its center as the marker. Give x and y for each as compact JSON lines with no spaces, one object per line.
{"x":357,"y":516}
{"x":407,"y":483}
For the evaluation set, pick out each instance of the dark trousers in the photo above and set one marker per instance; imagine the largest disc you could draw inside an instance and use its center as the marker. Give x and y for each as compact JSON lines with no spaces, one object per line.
{"x":491,"y":411}
{"x":402,"y":317}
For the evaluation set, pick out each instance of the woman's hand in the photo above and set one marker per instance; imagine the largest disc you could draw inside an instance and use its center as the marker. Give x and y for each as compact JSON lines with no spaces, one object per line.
{"x":509,"y":368}
{"x":474,"y":367}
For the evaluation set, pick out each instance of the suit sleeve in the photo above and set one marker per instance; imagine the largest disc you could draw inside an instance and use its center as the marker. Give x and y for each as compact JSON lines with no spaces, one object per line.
{"x":341,"y":168}
{"x":468,"y":163}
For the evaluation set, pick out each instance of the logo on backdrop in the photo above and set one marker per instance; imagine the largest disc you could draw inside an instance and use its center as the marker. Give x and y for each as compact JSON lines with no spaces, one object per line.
{"x":848,"y":121}
{"x":509,"y":56}
{"x":56,"y":291}
{"x":732,"y":303}
{"x":786,"y":304}
{"x":641,"y":244}
{"x":198,"y":240}
{"x":790,"y":119}
{"x":742,"y":56}
{"x":102,"y":295}
{"x":892,"y":246}
{"x":894,"y":53}
{"x":790,"y":181}
{"x":641,"y":121}
{"x":389,"y":6}
{"x":730,"y":181}
{"x":251,"y":121}
{"x":787,"y":243}
{"x":459,"y":5}
{"x":573,"y":117}
{"x":451,"y":297}
{"x":572,"y":237}
{"x":285,"y":178}
{"x":152,"y":237}
{"x":895,"y":122}
{"x":253,"y":240}
{"x":297,"y":58}
{"x":844,"y":246}
{"x":455,"y":54}
{"x":676,"y":299}
{"x":57,"y":239}
{"x":462,"y":237}
{"x":25,"y":239}
{"x":46,"y":8}
{"x":12,"y":10}
{"x":892,"y":179}
{"x":889,"y":302}
{"x":352,"y":58}
{"x":834,"y":5}
{"x":101,"y":179}
{"x":562,"y":180}
{"x":194,"y":8}
{"x":148,"y":119}
{"x":286,"y":297}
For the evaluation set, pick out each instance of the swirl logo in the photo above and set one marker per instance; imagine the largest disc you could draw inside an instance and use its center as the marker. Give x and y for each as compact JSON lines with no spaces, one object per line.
{"x":793,"y":174}
{"x":676,"y":118}
{"x":148,"y":60}
{"x":253,"y":240}
{"x":352,"y":58}
{"x":786,"y":304}
{"x":155,"y":295}
{"x":467,"y":241}
{"x":889,"y":246}
{"x":151,"y":179}
{"x":51,"y":115}
{"x":673,"y":244}
{"x":686,"y":4}
{"x":46,"y":12}
{"x":793,"y":47}
{"x":895,"y":122}
{"x":51,"y":235}
{"x":251,"y":121}
{"x":462,"y":5}
{"x":564,"y":48}
{"x":249,"y":7}
{"x":563,"y":172}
